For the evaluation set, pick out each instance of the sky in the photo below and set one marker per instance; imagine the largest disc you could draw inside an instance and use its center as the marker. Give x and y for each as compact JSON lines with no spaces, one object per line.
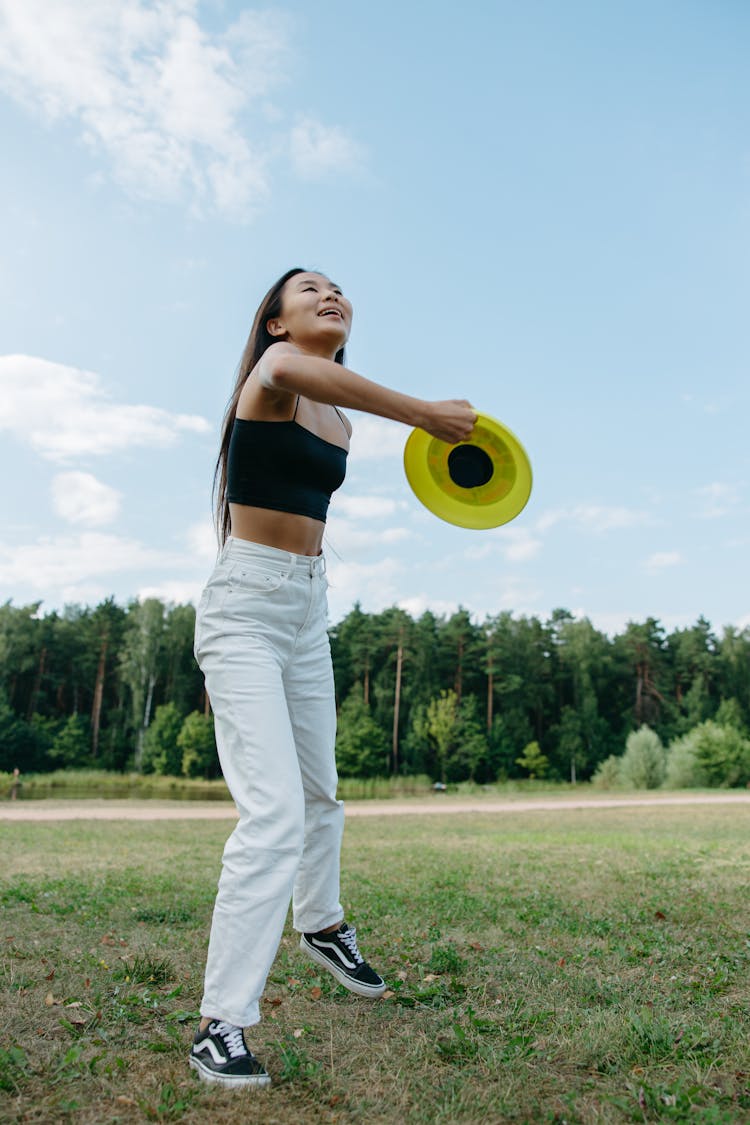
{"x":543,"y":208}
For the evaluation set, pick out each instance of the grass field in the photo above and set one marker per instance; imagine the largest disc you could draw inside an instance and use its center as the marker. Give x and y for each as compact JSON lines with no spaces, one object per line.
{"x":543,"y":967}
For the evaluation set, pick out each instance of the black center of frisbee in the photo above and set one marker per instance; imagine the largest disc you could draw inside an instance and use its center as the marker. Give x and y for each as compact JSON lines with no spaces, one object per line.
{"x":469,"y":466}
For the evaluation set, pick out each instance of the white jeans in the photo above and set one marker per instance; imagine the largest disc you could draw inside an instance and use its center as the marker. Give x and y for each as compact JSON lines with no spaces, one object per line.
{"x":262,"y":643}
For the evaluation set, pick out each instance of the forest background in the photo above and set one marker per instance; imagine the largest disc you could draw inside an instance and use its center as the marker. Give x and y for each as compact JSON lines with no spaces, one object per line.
{"x":117,"y":688}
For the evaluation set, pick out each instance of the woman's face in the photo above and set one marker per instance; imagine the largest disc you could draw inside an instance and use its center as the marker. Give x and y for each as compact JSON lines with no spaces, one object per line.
{"x":315,"y":314}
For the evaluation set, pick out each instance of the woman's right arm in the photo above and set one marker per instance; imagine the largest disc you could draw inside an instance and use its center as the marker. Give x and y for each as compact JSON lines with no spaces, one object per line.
{"x":284,"y":368}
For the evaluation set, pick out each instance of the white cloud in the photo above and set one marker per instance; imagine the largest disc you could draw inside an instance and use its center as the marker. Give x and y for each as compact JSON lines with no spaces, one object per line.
{"x":418,"y":604}
{"x":594,"y":517}
{"x":662,"y":560}
{"x":81,"y":498}
{"x":177,"y":591}
{"x":375,"y":438}
{"x":520,"y":545}
{"x":318,"y":150}
{"x":202,"y":542}
{"x":717,"y":499}
{"x":164,"y":99}
{"x":363,"y":507}
{"x":376,"y":585}
{"x":512,"y":593}
{"x":346,"y":540}
{"x":63,"y":412}
{"x":516,"y":544}
{"x":54,"y":564}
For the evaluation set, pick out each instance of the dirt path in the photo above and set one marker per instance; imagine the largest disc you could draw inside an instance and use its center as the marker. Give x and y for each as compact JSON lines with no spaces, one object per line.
{"x":50,"y":810}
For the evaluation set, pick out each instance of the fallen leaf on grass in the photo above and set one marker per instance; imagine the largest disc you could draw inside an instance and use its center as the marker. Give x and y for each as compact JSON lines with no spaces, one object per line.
{"x":401,"y":974}
{"x":123,"y":1100}
{"x":475,"y":945}
{"x":49,"y":1000}
{"x":293,"y":983}
{"x":298,"y":1032}
{"x":316,"y":993}
{"x":50,"y":976}
{"x":388,"y":994}
{"x":659,"y":916}
{"x":429,"y":977}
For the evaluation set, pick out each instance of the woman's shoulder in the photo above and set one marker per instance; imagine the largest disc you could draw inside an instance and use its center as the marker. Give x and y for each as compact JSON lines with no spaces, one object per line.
{"x":281,"y":347}
{"x":257,"y":399}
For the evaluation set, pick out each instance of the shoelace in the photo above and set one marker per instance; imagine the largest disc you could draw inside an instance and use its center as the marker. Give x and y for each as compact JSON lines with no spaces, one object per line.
{"x":349,"y":938}
{"x":232,"y":1038}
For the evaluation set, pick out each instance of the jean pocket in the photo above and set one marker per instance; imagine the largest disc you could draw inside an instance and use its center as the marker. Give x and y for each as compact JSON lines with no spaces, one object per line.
{"x":258,"y":577}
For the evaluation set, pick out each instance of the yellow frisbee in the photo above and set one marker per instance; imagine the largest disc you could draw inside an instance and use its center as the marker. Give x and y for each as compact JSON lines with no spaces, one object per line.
{"x":482,"y":482}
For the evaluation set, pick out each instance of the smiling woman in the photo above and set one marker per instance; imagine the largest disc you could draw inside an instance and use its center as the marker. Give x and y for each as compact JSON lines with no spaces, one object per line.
{"x":262,"y":643}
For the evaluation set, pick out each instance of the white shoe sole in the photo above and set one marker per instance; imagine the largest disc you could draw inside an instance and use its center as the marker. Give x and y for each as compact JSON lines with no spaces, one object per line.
{"x":371,"y":991}
{"x":207,"y":1075}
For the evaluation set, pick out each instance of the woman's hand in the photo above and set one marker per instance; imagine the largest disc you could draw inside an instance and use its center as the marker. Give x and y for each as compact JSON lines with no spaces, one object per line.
{"x":450,"y":421}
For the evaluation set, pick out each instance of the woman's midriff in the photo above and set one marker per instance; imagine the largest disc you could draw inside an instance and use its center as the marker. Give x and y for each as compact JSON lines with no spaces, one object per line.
{"x":301,"y":535}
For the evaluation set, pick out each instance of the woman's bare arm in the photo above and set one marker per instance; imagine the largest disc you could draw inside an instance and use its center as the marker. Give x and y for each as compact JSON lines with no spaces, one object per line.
{"x":284,"y":368}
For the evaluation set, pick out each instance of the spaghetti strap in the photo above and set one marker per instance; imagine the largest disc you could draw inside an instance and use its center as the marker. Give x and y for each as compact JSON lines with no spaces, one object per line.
{"x":296,"y":406}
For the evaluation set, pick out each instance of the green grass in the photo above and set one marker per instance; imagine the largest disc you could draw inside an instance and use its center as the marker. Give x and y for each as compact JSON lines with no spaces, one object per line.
{"x":548,"y":967}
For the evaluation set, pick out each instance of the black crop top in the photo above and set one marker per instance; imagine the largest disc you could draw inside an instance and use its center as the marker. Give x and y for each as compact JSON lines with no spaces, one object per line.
{"x":283,"y":466}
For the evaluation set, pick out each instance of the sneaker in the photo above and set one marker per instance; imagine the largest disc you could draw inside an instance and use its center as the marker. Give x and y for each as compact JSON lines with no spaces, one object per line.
{"x":337,"y":951}
{"x":220,"y":1054}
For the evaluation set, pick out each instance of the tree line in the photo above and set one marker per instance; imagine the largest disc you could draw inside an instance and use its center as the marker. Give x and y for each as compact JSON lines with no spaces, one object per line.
{"x":117,"y":687}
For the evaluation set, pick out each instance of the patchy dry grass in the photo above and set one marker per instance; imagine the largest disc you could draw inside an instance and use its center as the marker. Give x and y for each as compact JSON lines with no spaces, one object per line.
{"x":547,"y":967}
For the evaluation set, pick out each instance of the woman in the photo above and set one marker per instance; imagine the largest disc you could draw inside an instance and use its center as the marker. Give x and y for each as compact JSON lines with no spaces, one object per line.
{"x":261,"y":641}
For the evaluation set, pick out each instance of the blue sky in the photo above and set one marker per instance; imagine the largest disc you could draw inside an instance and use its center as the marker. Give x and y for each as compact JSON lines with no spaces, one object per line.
{"x":541,"y":207}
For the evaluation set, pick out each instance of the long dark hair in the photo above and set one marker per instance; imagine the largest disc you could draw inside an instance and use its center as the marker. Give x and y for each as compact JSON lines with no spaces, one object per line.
{"x":258,"y":342}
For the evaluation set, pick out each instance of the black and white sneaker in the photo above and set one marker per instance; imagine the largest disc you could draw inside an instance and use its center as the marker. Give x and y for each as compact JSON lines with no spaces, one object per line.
{"x":337,"y":951}
{"x":219,"y":1054}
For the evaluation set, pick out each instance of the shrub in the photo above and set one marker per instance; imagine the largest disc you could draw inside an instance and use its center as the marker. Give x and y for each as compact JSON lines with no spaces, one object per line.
{"x":684,"y":771}
{"x":196,"y":740}
{"x":607,"y":774}
{"x":161,"y":750}
{"x":533,"y":760}
{"x":643,"y":764}
{"x":723,"y":754}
